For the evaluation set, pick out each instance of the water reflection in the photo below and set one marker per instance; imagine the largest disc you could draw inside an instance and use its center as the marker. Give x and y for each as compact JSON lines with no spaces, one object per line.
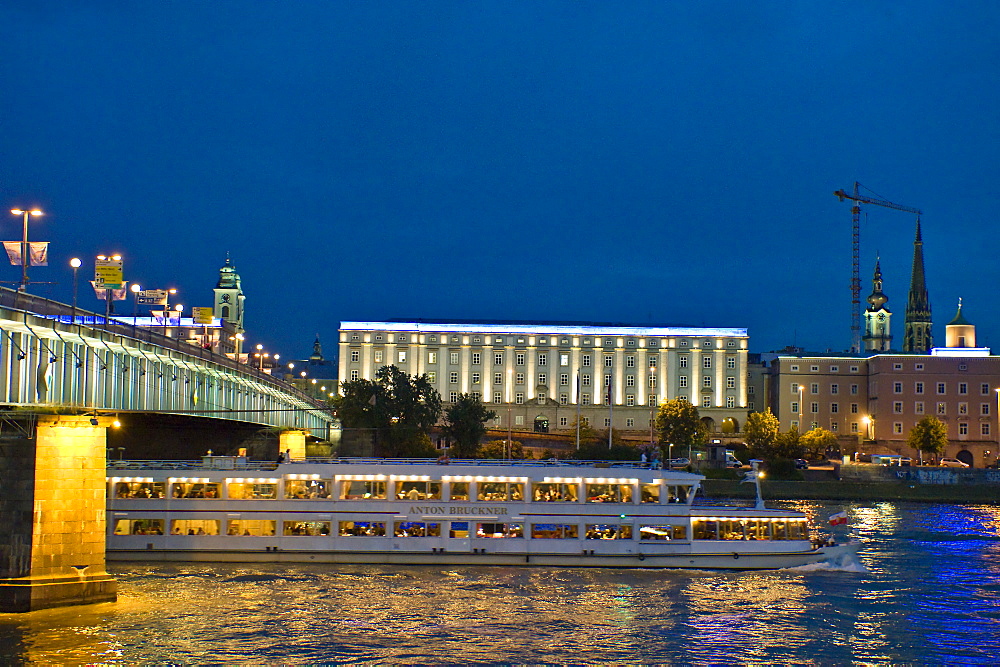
{"x":932,"y":595}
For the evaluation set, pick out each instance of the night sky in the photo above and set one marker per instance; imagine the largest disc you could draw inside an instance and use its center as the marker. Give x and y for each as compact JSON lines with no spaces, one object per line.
{"x":632,"y":162}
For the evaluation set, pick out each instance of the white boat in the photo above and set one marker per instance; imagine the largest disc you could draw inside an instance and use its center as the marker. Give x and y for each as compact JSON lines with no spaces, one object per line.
{"x":471,"y":512}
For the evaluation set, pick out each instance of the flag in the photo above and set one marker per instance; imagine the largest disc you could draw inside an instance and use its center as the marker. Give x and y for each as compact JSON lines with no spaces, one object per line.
{"x":13,"y":249}
{"x":840,"y":518}
{"x":38,"y":253}
{"x":117,"y":294}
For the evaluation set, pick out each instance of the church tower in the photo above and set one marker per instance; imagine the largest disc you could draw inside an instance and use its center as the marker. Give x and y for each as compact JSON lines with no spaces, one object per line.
{"x":960,"y":332}
{"x":917,"y":326}
{"x":877,"y":336}
{"x":229,"y":296}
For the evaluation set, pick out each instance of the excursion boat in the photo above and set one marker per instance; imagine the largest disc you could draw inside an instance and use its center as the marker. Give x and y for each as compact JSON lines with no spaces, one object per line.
{"x":469,"y":512}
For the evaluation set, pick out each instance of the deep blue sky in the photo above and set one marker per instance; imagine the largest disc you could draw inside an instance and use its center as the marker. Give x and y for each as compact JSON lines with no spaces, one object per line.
{"x":668,"y":162}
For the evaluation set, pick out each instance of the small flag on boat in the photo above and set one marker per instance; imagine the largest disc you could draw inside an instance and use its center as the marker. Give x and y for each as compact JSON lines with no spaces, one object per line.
{"x":838,"y":519}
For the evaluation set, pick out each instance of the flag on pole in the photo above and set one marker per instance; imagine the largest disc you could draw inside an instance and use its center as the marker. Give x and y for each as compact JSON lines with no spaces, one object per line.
{"x":13,"y":249}
{"x":840,"y":518}
{"x":38,"y":253}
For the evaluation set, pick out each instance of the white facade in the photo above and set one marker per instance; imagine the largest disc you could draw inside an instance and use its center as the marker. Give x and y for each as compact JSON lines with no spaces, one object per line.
{"x":531,"y":373}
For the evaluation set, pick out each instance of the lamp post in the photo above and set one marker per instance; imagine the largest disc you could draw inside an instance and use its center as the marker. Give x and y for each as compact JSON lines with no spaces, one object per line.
{"x":75,"y":264}
{"x":802,"y":398}
{"x":135,"y":302}
{"x":260,"y":356}
{"x":179,"y":309}
{"x":166,"y":308}
{"x":510,"y":446}
{"x":24,"y":244}
{"x":238,"y":339}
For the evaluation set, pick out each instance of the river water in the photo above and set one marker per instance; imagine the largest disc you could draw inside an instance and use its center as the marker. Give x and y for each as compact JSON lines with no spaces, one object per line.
{"x":926,"y":590}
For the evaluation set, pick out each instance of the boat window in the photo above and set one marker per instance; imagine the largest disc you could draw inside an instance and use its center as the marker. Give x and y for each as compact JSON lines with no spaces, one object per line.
{"x":500,"y":490}
{"x":358,"y":489}
{"x":549,"y":492}
{"x":797,"y":530}
{"x":650,"y":493}
{"x":416,"y":529}
{"x":556,"y":531}
{"x":194,"y":527}
{"x":500,"y":530}
{"x":307,"y":489}
{"x":778,"y":530}
{"x":252,"y":491}
{"x":362,"y":529}
{"x":139,"y":527}
{"x":608,"y":531}
{"x":306,"y":528}
{"x":418,"y":490}
{"x":609,"y":493}
{"x":459,"y":529}
{"x":255,"y":527}
{"x":758,"y":529}
{"x":705,"y":529}
{"x":195,"y":490}
{"x":732,"y":529}
{"x":663,"y":532}
{"x":459,"y":490}
{"x":139,"y":489}
{"x":677,"y":494}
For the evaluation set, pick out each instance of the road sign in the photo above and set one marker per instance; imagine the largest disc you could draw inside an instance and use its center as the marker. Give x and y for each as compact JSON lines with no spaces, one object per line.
{"x":108,"y":273}
{"x":202,"y":315}
{"x":152,"y":297}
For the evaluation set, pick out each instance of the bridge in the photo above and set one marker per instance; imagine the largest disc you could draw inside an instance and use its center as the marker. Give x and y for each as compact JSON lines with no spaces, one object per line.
{"x":65,"y":374}
{"x":56,"y":357}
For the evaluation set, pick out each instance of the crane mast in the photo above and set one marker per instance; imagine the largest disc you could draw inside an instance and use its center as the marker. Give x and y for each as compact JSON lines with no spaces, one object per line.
{"x":857,"y":198}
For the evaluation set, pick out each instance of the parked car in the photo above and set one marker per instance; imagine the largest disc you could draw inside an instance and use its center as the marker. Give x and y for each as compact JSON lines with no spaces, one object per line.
{"x":952,"y":463}
{"x":679,"y":463}
{"x":733,"y":462}
{"x":801,"y":464}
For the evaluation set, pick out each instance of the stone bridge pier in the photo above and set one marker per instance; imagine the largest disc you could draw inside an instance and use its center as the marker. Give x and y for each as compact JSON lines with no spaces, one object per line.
{"x":52,"y":513}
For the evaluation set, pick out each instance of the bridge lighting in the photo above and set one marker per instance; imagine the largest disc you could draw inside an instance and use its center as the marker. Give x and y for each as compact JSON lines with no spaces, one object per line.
{"x":25,"y":249}
{"x":75,"y":264}
{"x":135,"y":302}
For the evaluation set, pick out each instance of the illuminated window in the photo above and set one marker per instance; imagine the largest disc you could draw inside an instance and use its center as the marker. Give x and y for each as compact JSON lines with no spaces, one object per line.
{"x":355,"y":356}
{"x":453,"y":396}
{"x":401,"y":356}
{"x":564,"y":359}
{"x":519,"y":378}
{"x":475,"y":378}
{"x":519,"y":398}
{"x":542,"y":378}
{"x":963,"y":408}
{"x":378,"y":356}
{"x":498,"y":378}
{"x":355,"y":375}
{"x":730,"y":401}
{"x":706,"y":401}
{"x":432,"y":376}
{"x":432,"y":357}
{"x":963,"y":428}
{"x":897,"y":408}
{"x":897,"y":427}
{"x":918,"y":407}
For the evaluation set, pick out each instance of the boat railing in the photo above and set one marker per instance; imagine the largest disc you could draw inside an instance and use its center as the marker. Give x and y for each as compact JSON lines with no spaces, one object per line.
{"x":239,"y":463}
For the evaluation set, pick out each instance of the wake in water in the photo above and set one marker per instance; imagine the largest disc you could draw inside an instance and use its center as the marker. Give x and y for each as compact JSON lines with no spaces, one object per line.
{"x":844,"y":563}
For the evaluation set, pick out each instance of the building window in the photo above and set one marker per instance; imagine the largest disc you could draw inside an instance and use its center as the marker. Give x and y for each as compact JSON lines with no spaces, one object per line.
{"x":854,"y":389}
{"x":682,"y":381}
{"x":706,"y":381}
{"x":834,"y":426}
{"x":607,"y":422}
{"x":750,"y":406}
{"x":432,"y":377}
{"x":477,"y":396}
{"x":498,"y":358}
{"x":453,"y":378}
{"x":355,"y":375}
{"x":682,"y":397}
{"x":730,"y":401}
{"x":984,"y":428}
{"x":519,"y":420}
{"x":834,"y":388}
{"x":918,"y":367}
{"x":519,"y":378}
{"x":652,"y":400}
{"x":963,"y":408}
{"x":607,"y":380}
{"x":519,"y":358}
{"x":706,"y":362}
{"x":543,"y":359}
{"x":963,"y":428}
{"x":563,"y":421}
{"x":563,"y":399}
{"x":355,"y":356}
{"x":585,"y":399}
{"x":897,"y":367}
{"x":543,"y":378}
{"x":652,"y":382}
{"x":629,"y":380}
{"x":564,"y":359}
{"x":476,"y":358}
{"x":814,"y":369}
{"x":475,"y":378}
{"x":897,"y":427}
{"x":795,"y":407}
{"x":854,"y":369}
{"x":585,"y":360}
{"x":356,"y":337}
{"x":984,"y":389}
{"x":630,"y":423}
{"x":519,"y":398}
{"x":564,"y":379}
{"x":629,"y":400}
{"x":897,"y":387}
{"x":497,"y":397}
{"x":453,"y":396}
{"x":378,"y":356}
{"x":630,"y":361}
{"x":940,"y":388}
{"x":814,"y":388}
{"x":730,"y":383}
{"x":401,"y":356}
{"x":918,"y":407}
{"x":706,"y":401}
{"x":682,"y":361}
{"x":897,"y":408}
{"x":942,"y":408}
{"x":542,"y":397}
{"x":498,"y":378}
{"x":918,"y":387}
{"x":730,"y":362}
{"x":854,"y":427}
{"x":854,"y":408}
{"x":750,"y":390}
{"x":963,"y":388}
{"x":609,"y":361}
{"x":814,"y":407}
{"x":453,"y":357}
{"x":795,"y":369}
{"x":984,"y":409}
{"x":834,"y":369}
{"x":651,"y":361}
{"x":585,"y":380}
{"x":834,"y":408}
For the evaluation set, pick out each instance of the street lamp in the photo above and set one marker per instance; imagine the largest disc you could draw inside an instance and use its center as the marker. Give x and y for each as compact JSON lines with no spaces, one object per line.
{"x":24,"y":244}
{"x":135,"y":302}
{"x":166,"y":308}
{"x":75,"y":264}
{"x":802,"y":398}
{"x":238,"y":342}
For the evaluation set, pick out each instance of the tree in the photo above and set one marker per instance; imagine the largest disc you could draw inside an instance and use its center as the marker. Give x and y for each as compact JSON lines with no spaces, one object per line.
{"x":787,"y":445}
{"x":588,"y":434}
{"x":395,"y":409}
{"x":929,"y":435}
{"x":497,"y":449}
{"x":818,"y":442}
{"x":465,"y":424}
{"x":679,"y":423}
{"x":761,"y":433}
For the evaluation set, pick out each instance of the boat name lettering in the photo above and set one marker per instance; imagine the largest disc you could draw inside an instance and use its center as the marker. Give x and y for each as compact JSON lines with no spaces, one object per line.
{"x":455,"y":511}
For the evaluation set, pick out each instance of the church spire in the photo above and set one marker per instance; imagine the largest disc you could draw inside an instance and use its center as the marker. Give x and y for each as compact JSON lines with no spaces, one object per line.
{"x":877,"y":337}
{"x":917,"y":326}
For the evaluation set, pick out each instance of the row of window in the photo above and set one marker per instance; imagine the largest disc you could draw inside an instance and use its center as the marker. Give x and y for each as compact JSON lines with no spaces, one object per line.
{"x":942,"y":408}
{"x":521,"y":340}
{"x":585,"y":380}
{"x":814,"y":388}
{"x":542,"y":359}
{"x":897,"y":388}
{"x":587,"y":399}
{"x":702,"y":529}
{"x":320,"y":489}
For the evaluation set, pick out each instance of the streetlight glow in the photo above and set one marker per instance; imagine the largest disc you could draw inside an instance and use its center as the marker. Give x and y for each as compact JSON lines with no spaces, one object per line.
{"x":25,"y":248}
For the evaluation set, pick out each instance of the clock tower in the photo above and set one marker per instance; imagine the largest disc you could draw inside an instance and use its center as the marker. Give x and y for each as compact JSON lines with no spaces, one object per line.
{"x":877,"y":337}
{"x":229,"y":296}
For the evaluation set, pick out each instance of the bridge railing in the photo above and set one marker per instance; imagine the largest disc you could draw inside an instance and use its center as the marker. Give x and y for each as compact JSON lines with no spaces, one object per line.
{"x":120,"y":326}
{"x":237,"y":463}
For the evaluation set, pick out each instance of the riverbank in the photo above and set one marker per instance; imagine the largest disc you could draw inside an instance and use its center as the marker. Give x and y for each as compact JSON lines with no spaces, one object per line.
{"x":855,"y":490}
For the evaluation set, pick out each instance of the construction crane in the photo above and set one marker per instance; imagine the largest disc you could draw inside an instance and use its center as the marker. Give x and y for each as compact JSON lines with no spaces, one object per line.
{"x":859,"y":199}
